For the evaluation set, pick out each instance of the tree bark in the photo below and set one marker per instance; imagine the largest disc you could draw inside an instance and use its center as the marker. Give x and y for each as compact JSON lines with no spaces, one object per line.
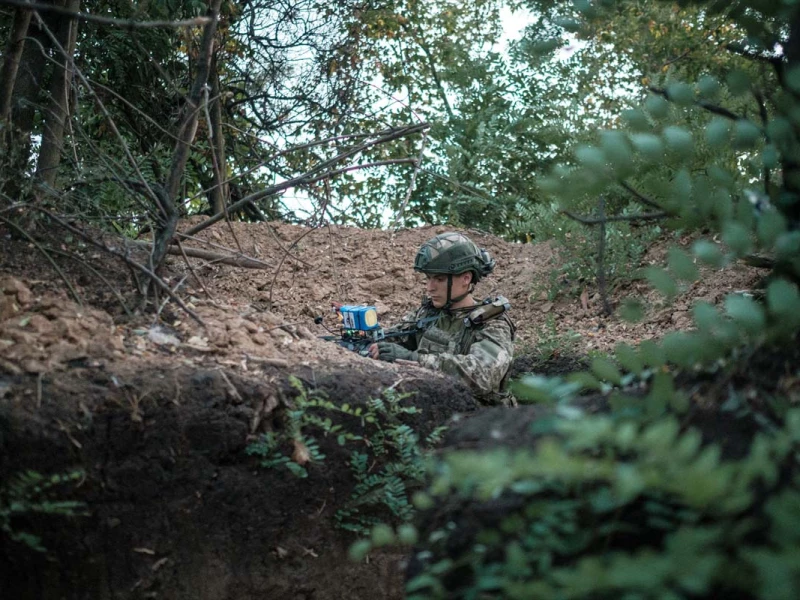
{"x":219,"y":193}
{"x":13,"y":55}
{"x":57,"y":109}
{"x":186,"y":133}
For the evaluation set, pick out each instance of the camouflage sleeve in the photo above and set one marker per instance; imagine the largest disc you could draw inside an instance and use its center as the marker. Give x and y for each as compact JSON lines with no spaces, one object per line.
{"x":407,"y":323}
{"x":485,"y":365}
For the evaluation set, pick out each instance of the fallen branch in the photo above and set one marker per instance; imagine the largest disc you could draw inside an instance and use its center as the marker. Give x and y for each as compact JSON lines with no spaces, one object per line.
{"x":759,"y":262}
{"x":227,"y":259}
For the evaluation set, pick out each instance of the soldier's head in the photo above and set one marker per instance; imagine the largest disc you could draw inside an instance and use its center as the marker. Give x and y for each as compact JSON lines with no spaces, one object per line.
{"x":453,"y":264}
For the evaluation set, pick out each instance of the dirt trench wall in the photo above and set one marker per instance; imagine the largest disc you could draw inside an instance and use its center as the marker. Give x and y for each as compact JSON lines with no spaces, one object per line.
{"x":177,"y":509}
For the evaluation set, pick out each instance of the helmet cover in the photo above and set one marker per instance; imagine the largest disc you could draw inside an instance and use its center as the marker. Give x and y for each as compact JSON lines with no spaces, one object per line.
{"x":453,"y":253}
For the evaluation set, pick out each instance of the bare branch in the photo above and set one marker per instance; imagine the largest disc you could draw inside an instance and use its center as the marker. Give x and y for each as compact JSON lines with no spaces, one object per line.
{"x":775,"y":61}
{"x":601,"y":256}
{"x":412,"y":184}
{"x":313,"y":175}
{"x":639,"y":196}
{"x":641,"y":217}
{"x":80,"y":260}
{"x":44,"y":253}
{"x":704,"y":104}
{"x":127,"y":260}
{"x":124,"y":23}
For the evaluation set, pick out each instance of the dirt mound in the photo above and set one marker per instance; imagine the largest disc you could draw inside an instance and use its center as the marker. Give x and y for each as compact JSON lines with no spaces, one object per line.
{"x":157,"y":411}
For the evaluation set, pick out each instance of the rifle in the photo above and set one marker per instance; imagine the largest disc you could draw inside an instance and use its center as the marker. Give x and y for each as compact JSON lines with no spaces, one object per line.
{"x":360,"y":328}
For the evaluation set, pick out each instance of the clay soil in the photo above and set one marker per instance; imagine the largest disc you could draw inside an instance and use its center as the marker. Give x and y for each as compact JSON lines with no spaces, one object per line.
{"x":157,"y":412}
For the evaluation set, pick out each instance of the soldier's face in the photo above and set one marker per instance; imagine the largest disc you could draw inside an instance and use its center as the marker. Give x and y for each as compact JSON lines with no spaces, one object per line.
{"x":436,"y":287}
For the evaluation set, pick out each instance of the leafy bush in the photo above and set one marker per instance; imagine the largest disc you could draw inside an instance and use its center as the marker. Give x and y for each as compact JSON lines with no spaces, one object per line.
{"x":386,"y":456}
{"x":30,"y":493}
{"x":637,"y":503}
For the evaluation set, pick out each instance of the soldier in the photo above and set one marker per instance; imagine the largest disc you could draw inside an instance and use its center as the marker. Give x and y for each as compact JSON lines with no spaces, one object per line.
{"x":454,"y":333}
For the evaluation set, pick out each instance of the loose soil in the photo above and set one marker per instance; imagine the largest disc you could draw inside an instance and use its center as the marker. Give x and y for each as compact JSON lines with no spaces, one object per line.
{"x":158,"y":412}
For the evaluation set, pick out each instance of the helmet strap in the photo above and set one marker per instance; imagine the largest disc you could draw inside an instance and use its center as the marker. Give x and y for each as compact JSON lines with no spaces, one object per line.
{"x":450,"y":301}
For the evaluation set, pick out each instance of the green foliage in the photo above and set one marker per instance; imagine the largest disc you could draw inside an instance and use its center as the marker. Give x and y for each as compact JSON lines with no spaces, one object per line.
{"x":635,"y":502}
{"x":387,"y":457}
{"x":31,"y":493}
{"x":625,"y":244}
{"x":594,"y":485}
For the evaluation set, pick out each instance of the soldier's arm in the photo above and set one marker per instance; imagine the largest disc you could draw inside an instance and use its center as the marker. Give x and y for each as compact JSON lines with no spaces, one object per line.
{"x":407,"y":323}
{"x":486,"y":362}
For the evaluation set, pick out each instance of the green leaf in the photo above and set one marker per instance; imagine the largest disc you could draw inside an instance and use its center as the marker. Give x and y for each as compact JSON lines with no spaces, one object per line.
{"x":587,"y":381}
{"x":708,"y":252}
{"x":657,"y":106}
{"x":382,"y":535}
{"x":652,"y":354}
{"x":770,"y":157}
{"x":745,"y":134}
{"x":662,"y":281}
{"x":708,"y":87}
{"x":681,"y":264}
{"x":792,"y":78}
{"x":422,"y":501}
{"x":787,"y":246}
{"x":636,"y":119}
{"x":783,"y":298}
{"x":407,"y":534}
{"x":681,"y":188}
{"x":780,"y":131}
{"x":617,"y":149}
{"x":606,"y":370}
{"x":649,"y":146}
{"x":737,"y":238}
{"x":771,"y":225}
{"x":629,"y":358}
{"x":679,"y":140}
{"x":721,"y":176}
{"x":681,"y":93}
{"x":706,"y":316}
{"x":359,"y":550}
{"x":718,"y":132}
{"x":591,"y":158}
{"x":746,"y":312}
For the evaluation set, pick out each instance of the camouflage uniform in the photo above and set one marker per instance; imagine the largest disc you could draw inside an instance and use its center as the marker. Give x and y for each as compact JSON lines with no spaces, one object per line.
{"x":479,"y":355}
{"x":477,"y":350}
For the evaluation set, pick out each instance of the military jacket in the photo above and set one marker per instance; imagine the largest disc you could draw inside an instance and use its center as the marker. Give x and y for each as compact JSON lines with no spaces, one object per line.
{"x":480,"y":355}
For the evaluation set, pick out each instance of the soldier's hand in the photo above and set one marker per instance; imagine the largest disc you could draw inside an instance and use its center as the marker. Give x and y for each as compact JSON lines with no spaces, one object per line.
{"x":391,"y":352}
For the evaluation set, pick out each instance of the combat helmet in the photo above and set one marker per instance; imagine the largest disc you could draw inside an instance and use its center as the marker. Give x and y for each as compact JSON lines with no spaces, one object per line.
{"x":451,"y":254}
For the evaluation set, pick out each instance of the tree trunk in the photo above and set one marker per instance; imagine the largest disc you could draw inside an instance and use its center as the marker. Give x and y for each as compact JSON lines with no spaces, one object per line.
{"x":791,"y":164}
{"x":219,"y":193}
{"x":187,"y":129}
{"x":13,"y":54}
{"x":57,"y":109}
